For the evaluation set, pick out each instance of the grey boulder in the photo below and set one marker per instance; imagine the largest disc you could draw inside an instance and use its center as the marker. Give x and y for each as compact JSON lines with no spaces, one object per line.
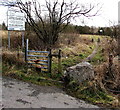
{"x":80,"y":72}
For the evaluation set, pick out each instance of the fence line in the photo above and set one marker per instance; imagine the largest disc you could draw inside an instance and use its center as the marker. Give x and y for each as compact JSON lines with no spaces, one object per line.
{"x":41,"y":61}
{"x":38,"y":61}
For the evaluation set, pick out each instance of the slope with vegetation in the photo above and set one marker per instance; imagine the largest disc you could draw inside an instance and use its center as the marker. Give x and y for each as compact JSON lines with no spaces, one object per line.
{"x":75,"y":48}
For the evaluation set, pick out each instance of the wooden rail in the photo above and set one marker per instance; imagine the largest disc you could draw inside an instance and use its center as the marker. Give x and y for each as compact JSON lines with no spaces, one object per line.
{"x":41,"y":59}
{"x":35,"y":59}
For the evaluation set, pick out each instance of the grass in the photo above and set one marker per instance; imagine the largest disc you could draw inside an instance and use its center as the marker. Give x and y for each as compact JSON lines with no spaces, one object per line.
{"x":98,"y":58}
{"x":30,"y":76}
{"x":90,"y":93}
{"x":72,"y":54}
{"x":86,"y":91}
{"x":17,"y":68}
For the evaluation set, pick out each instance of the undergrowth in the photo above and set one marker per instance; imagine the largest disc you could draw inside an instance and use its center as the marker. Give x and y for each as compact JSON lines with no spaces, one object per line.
{"x":90,"y":92}
{"x":15,"y":67}
{"x":29,"y":75}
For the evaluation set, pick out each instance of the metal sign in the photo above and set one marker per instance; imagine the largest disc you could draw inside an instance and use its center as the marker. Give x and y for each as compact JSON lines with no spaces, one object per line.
{"x":16,"y":20}
{"x":8,"y":2}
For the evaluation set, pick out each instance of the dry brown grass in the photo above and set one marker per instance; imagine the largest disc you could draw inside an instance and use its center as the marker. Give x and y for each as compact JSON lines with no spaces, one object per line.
{"x":74,"y":44}
{"x":4,"y":34}
{"x":75,"y":50}
{"x":111,"y":86}
{"x":12,"y":57}
{"x":109,"y":46}
{"x":109,"y":80}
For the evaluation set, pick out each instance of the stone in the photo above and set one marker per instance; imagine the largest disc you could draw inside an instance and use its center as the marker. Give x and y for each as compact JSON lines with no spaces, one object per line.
{"x":80,"y":72}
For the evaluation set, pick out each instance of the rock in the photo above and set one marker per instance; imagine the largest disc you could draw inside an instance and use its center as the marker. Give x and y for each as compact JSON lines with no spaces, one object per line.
{"x":81,"y":72}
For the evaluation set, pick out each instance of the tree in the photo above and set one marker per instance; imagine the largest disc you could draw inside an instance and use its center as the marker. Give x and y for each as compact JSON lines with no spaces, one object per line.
{"x":49,"y":19}
{"x":108,"y":31}
{"x":69,"y":29}
{"x":4,"y":27}
{"x":83,"y":29}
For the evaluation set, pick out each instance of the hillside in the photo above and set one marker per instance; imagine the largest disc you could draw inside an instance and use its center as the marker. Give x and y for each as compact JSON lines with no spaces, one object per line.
{"x":75,"y":48}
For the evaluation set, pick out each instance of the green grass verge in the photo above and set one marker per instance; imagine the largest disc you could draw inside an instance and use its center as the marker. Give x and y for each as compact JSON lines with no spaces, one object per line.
{"x":29,"y":75}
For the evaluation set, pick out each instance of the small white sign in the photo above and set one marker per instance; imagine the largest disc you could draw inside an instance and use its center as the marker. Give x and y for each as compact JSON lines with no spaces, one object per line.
{"x":16,"y":20}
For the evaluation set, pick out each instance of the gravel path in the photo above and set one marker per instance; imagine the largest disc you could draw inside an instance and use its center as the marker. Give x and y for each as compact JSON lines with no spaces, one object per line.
{"x":18,"y":94}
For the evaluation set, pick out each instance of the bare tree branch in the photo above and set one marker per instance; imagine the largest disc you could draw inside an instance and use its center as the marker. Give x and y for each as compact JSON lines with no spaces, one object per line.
{"x":52,"y":16}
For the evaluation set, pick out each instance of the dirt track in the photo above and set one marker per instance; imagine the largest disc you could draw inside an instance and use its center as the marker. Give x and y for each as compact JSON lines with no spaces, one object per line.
{"x":93,"y":53}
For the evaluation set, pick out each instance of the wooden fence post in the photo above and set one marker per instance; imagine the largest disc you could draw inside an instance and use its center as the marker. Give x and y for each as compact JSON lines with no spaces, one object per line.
{"x":59,"y":62}
{"x":9,"y":42}
{"x":49,"y":61}
{"x":18,"y":52}
{"x":26,"y":55}
{"x":26,"y":50}
{"x":23,"y":40}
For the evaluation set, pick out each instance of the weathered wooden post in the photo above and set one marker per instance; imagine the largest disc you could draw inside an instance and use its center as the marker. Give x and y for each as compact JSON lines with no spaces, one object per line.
{"x":98,"y":40}
{"x":119,"y":30}
{"x":59,"y":62}
{"x":26,"y":50}
{"x":18,"y":53}
{"x":110,"y":61}
{"x":26,"y":55}
{"x":92,"y":40}
{"x":9,"y":45}
{"x":23,"y":40}
{"x":49,"y":61}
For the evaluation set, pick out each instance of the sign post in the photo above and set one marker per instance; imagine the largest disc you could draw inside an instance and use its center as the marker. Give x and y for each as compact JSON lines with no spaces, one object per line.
{"x":119,"y":13}
{"x":8,"y":39}
{"x":119,"y":29}
{"x":16,"y":22}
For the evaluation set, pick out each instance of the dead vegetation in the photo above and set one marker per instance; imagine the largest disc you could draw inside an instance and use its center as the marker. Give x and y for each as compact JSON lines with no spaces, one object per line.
{"x":12,"y":57}
{"x":108,"y":73}
{"x":74,"y":48}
